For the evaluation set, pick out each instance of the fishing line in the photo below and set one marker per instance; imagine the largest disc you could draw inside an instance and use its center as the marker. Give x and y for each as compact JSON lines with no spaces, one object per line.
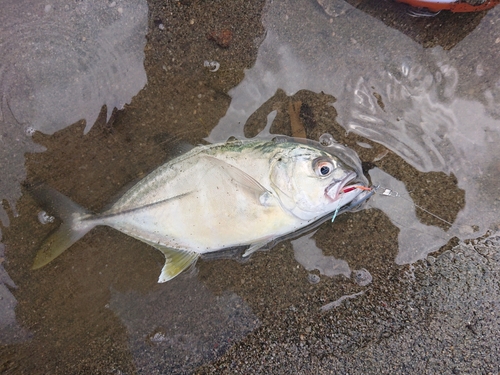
{"x":391,"y":193}
{"x":335,"y":214}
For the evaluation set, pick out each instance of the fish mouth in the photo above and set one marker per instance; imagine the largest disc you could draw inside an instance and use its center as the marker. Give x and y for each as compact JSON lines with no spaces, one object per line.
{"x":336,"y":188}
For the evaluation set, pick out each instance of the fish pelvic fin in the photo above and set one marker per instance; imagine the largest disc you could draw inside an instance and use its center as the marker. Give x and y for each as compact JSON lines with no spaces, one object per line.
{"x":71,"y":229}
{"x":256,"y":246}
{"x":176,"y":261}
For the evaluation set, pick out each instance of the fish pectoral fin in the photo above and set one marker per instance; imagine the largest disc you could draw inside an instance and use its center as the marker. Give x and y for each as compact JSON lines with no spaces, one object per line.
{"x":176,"y":261}
{"x":256,"y":246}
{"x":240,"y":177}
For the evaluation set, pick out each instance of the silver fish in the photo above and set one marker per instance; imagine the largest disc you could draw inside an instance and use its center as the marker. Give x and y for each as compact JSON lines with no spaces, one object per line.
{"x":219,"y":196}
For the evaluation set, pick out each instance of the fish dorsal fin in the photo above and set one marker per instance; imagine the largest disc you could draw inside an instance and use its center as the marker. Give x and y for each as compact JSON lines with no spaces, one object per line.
{"x":180,"y":148}
{"x":240,"y":177}
{"x":176,"y":261}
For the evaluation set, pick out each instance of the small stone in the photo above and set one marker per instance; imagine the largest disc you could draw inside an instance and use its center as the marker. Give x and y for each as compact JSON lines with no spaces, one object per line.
{"x":313,"y":278}
{"x":30,"y":131}
{"x":213,"y":66}
{"x":45,"y":218}
{"x":362,"y":277}
{"x":222,"y":38}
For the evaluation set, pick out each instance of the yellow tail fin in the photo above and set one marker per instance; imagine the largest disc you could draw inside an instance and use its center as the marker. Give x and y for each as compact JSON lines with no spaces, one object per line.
{"x":76,"y":222}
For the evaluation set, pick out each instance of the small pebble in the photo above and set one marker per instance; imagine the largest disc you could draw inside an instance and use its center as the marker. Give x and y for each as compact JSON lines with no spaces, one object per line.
{"x":327,"y":140}
{"x":364,"y":145}
{"x":362,"y":277}
{"x":313,"y":278}
{"x":44,"y":217}
{"x":212,"y":66}
{"x":29,"y":131}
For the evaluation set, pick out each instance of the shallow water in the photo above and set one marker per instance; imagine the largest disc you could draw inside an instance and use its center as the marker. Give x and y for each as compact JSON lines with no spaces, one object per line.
{"x":424,"y":121}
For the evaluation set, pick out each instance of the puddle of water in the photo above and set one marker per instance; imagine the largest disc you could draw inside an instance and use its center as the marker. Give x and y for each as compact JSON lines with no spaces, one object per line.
{"x":10,"y":330}
{"x":62,"y":61}
{"x":422,"y":104}
{"x":312,"y":258}
{"x":181,"y":331}
{"x":89,"y":54}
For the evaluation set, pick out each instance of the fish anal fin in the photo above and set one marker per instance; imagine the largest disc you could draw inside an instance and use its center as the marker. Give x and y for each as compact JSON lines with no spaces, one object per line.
{"x":176,"y":261}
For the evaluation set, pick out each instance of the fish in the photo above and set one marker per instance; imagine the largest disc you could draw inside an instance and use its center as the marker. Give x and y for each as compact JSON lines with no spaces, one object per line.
{"x":219,"y":196}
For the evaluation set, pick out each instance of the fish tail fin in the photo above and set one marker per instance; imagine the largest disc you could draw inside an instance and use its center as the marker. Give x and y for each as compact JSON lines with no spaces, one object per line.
{"x":71,"y":229}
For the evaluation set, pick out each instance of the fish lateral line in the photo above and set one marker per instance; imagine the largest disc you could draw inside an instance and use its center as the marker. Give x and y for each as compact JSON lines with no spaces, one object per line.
{"x":106,"y":215}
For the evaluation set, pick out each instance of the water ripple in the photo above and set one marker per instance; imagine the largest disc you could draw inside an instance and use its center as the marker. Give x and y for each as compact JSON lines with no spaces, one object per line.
{"x":61,"y":62}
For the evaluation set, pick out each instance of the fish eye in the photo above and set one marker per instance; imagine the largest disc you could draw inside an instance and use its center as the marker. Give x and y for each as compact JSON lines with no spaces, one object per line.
{"x":323,"y":168}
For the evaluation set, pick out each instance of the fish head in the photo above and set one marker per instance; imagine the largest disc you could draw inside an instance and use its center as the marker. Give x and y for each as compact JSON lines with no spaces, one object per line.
{"x":312,"y":181}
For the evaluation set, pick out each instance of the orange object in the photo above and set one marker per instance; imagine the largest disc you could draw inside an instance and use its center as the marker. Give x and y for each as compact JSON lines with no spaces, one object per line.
{"x":361,"y":187}
{"x":457,"y":6}
{"x":222,"y":37}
